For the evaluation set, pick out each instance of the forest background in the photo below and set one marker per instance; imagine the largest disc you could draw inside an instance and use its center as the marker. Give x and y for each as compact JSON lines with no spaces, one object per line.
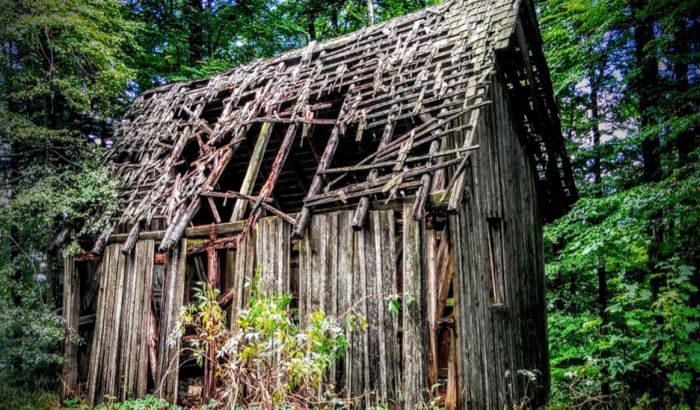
{"x":622,"y":265}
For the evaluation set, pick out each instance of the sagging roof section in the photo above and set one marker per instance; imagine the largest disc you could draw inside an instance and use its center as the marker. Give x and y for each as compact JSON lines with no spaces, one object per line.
{"x":389,"y":110}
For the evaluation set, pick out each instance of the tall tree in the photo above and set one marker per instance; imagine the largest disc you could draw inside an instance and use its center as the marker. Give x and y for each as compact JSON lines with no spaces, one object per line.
{"x":619,"y":74}
{"x":64,"y":70}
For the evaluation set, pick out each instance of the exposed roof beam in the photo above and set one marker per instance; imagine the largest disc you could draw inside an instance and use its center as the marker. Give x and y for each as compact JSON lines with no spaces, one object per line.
{"x":324,"y":163}
{"x":251,"y":174}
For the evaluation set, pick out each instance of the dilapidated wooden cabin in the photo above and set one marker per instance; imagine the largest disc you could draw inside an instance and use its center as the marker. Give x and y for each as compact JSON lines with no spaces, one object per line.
{"x":418,"y":157}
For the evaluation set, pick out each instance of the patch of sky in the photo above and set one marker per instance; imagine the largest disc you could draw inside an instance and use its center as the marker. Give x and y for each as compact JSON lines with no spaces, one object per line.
{"x":159,"y":48}
{"x":583,"y":86}
{"x":132,"y":89}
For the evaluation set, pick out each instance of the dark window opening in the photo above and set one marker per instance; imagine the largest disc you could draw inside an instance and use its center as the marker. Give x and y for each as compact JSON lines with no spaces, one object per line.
{"x":89,"y":274}
{"x":495,"y":244}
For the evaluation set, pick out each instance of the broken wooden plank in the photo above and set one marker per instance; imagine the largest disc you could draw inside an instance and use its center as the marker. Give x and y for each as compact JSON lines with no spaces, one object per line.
{"x":132,"y":238}
{"x":269,"y":186}
{"x":358,"y":219}
{"x":426,"y":184}
{"x":214,"y":211}
{"x":375,"y":165}
{"x":177,"y":227}
{"x":328,"y":153}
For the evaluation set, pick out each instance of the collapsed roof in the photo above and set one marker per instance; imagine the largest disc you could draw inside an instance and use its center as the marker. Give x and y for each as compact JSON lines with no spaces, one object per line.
{"x":364,"y":116}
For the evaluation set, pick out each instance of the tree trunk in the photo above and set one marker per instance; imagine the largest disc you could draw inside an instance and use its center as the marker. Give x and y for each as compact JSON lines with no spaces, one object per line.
{"x":311,"y":26}
{"x":646,"y":84}
{"x":646,"y":87}
{"x":595,"y":131}
{"x":686,"y":140}
{"x":370,"y":12}
{"x":195,"y":11}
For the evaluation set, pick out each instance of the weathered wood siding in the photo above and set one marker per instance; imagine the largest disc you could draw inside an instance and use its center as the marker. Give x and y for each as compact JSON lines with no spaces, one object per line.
{"x":119,"y":355}
{"x":347,"y":272}
{"x":167,"y":368}
{"x":500,"y":339}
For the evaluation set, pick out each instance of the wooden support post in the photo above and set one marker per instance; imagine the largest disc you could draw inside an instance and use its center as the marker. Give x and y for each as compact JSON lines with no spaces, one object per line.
{"x":71,"y":315}
{"x":153,"y":341}
{"x":213,"y":271}
{"x":144,"y":313}
{"x":431,"y":306}
{"x":210,"y":363}
{"x":414,"y":363}
{"x":251,"y":175}
{"x":452,"y":393}
{"x":96,"y":368}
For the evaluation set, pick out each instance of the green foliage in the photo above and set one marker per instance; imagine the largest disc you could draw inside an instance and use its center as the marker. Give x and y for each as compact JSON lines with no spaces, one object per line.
{"x":30,"y":351}
{"x":13,"y":398}
{"x":268,"y":361}
{"x":394,"y":304}
{"x":64,"y":69}
{"x":184,"y":40}
{"x":148,"y":402}
{"x":622,"y":271}
{"x":652,"y":317}
{"x":68,"y":54}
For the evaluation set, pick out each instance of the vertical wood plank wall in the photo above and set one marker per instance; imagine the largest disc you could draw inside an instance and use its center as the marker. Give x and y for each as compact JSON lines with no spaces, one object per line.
{"x":497,"y":341}
{"x":343,"y":272}
{"x":415,"y":346}
{"x":119,"y":354}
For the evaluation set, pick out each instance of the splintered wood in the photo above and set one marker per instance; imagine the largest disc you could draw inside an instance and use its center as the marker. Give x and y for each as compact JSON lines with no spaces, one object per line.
{"x":407,"y":81}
